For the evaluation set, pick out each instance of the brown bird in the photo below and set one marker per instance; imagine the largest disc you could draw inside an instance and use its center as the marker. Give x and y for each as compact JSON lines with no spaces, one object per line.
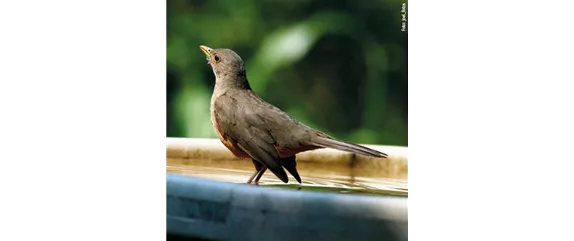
{"x":252,"y":128}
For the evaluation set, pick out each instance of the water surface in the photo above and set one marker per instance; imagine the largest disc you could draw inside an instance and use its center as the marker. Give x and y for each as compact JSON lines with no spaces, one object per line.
{"x":323,"y":177}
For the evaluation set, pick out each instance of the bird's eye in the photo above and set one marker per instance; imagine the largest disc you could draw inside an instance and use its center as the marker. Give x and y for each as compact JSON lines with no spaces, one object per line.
{"x":216,"y":58}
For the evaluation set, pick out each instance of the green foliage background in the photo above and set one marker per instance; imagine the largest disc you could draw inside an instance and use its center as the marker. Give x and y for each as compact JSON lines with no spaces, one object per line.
{"x":338,"y":66}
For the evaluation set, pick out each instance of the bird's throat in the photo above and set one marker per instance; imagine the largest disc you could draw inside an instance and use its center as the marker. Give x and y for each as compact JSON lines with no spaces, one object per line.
{"x":233,"y":82}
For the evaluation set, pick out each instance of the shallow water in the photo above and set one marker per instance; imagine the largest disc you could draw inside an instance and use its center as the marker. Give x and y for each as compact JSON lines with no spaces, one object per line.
{"x":324,"y":177}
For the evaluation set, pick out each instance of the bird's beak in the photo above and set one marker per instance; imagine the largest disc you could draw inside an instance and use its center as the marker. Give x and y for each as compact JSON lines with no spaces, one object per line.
{"x":205,"y":49}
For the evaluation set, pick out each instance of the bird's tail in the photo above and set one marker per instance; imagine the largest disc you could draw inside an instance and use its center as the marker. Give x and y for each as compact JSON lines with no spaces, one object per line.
{"x":326,"y":141}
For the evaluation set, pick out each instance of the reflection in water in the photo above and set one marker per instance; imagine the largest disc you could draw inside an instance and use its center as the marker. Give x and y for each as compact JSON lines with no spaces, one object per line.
{"x":330,"y":177}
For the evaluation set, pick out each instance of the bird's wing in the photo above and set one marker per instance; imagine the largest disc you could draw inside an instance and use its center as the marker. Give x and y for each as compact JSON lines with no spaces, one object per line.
{"x":241,"y":125}
{"x":285,"y":130}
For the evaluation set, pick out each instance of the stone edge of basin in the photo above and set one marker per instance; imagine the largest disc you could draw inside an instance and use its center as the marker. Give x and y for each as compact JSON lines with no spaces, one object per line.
{"x":205,"y":148}
{"x":208,"y":209}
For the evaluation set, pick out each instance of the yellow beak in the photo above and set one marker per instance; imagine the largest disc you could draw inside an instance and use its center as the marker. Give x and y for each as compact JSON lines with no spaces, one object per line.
{"x":205,"y":49}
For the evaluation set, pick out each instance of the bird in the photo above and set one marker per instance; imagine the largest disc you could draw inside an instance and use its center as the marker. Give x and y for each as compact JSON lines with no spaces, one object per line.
{"x":252,"y":128}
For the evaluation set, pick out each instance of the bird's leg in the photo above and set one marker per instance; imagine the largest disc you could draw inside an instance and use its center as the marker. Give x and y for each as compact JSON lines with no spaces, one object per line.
{"x":260,"y":175}
{"x":252,"y":176}
{"x":258,"y":167}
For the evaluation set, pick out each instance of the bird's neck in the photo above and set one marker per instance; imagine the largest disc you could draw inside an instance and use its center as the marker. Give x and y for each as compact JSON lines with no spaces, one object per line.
{"x":232,"y":82}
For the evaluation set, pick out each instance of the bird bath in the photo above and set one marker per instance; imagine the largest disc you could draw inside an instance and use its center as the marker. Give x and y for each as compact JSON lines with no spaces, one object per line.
{"x":343,"y":196}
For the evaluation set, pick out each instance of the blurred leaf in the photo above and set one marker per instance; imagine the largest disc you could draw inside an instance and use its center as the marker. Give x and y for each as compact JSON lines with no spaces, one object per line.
{"x":194,"y":103}
{"x":282,"y":47}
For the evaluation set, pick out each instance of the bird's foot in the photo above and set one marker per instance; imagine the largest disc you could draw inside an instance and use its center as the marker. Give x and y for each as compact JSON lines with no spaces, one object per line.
{"x":251,"y":182}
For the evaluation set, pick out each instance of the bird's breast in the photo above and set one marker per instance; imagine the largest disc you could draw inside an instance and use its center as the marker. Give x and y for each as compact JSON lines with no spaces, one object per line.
{"x":224,"y":137}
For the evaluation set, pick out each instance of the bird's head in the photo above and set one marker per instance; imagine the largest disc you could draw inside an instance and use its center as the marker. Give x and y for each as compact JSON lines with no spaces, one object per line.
{"x":226,"y":64}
